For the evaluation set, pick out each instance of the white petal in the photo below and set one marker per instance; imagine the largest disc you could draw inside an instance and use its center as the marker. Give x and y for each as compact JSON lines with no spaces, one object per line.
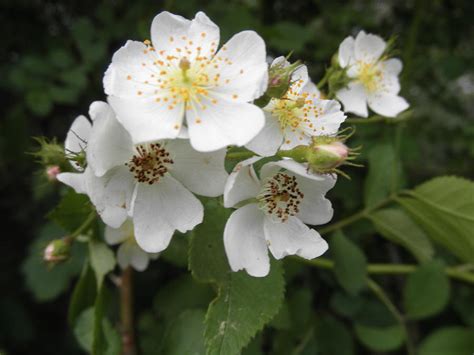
{"x":293,"y":137}
{"x":160,"y":209}
{"x":270,"y":138}
{"x":169,"y":31}
{"x":387,"y":84}
{"x":118,"y":235}
{"x":241,"y":61}
{"x":109,"y":143}
{"x":202,"y":173}
{"x":315,"y":209}
{"x":346,"y":52}
{"x":388,"y":105}
{"x":74,"y":180}
{"x":77,"y":137}
{"x":152,"y":231}
{"x":123,"y":255}
{"x":148,"y":120}
{"x":111,"y":194}
{"x":293,"y":237}
{"x":311,"y":89}
{"x":272,"y":168}
{"x":354,"y":99}
{"x":222,"y":124}
{"x":368,"y":47}
{"x":242,"y":183}
{"x":244,"y":241}
{"x":328,"y":122}
{"x":131,"y":67}
{"x":393,"y":66}
{"x":139,"y":259}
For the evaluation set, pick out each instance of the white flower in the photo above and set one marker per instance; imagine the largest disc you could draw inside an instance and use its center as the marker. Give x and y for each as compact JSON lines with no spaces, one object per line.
{"x":99,"y":189}
{"x":151,"y":182}
{"x":154,"y":85}
{"x":300,"y":114}
{"x":279,"y":203}
{"x":128,"y":253}
{"x":374,"y":77}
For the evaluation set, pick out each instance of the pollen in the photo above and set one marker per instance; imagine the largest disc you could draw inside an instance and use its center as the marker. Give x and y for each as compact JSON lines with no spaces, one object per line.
{"x":280,"y":197}
{"x":150,"y":163}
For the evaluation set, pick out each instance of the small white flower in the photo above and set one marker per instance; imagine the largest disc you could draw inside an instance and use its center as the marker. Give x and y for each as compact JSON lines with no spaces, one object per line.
{"x":374,"y":77}
{"x":154,"y":86}
{"x":150,"y":182}
{"x":296,"y":117}
{"x":279,"y":203}
{"x":99,"y":189}
{"x":129,"y":252}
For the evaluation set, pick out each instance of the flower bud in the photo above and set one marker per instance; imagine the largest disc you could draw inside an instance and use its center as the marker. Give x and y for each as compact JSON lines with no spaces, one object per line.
{"x":52,"y":172}
{"x":327,"y":156}
{"x":57,"y":251}
{"x":279,"y":79}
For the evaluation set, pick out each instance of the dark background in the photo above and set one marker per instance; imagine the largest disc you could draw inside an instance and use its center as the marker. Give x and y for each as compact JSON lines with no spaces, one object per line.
{"x":53,"y":56}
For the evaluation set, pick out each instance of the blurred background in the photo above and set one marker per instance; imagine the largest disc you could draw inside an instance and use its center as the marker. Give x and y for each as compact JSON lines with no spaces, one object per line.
{"x":53,"y":57}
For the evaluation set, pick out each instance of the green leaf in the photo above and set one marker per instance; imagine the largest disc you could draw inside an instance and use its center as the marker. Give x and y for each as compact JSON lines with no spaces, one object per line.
{"x":244,"y":304}
{"x":333,"y":337}
{"x":180,"y":294}
{"x":46,"y":282}
{"x":444,"y":208}
{"x":395,"y":225}
{"x":449,"y":340}
{"x":102,"y":260}
{"x":39,"y":102}
{"x":177,"y":252}
{"x":284,"y":34}
{"x":350,"y":264}
{"x":207,"y":260}
{"x":186,"y":334}
{"x":84,"y":329}
{"x":426,"y":291}
{"x":71,"y":211}
{"x":382,"y":165}
{"x":84,"y":294}
{"x":380,"y":338}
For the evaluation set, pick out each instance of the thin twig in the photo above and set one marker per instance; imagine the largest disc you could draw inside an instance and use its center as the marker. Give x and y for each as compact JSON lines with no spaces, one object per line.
{"x":126,"y":312}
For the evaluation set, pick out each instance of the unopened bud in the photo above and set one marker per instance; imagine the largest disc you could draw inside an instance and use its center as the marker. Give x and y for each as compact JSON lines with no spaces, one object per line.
{"x":324,"y":155}
{"x":52,"y":172}
{"x":57,"y":251}
{"x":279,"y":79}
{"x":327,"y":156}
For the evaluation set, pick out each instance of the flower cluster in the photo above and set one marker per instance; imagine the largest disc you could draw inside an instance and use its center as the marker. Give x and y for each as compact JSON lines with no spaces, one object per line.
{"x":175,"y":103}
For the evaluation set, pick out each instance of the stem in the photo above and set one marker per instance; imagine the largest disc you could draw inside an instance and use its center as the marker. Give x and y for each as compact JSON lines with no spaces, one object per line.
{"x":383,"y":297}
{"x":377,"y":118}
{"x":456,"y":272}
{"x":126,"y":312}
{"x":323,"y":81}
{"x":239,"y":155}
{"x":355,"y":217}
{"x":86,"y":224}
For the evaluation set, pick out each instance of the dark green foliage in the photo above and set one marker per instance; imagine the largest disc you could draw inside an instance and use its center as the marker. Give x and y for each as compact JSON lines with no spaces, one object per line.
{"x":54,"y":54}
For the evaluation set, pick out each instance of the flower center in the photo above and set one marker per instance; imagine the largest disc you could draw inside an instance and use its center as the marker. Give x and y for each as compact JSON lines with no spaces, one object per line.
{"x":151,"y":162}
{"x":280,"y":197}
{"x":185,"y":75}
{"x":294,"y":109}
{"x":370,"y":76}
